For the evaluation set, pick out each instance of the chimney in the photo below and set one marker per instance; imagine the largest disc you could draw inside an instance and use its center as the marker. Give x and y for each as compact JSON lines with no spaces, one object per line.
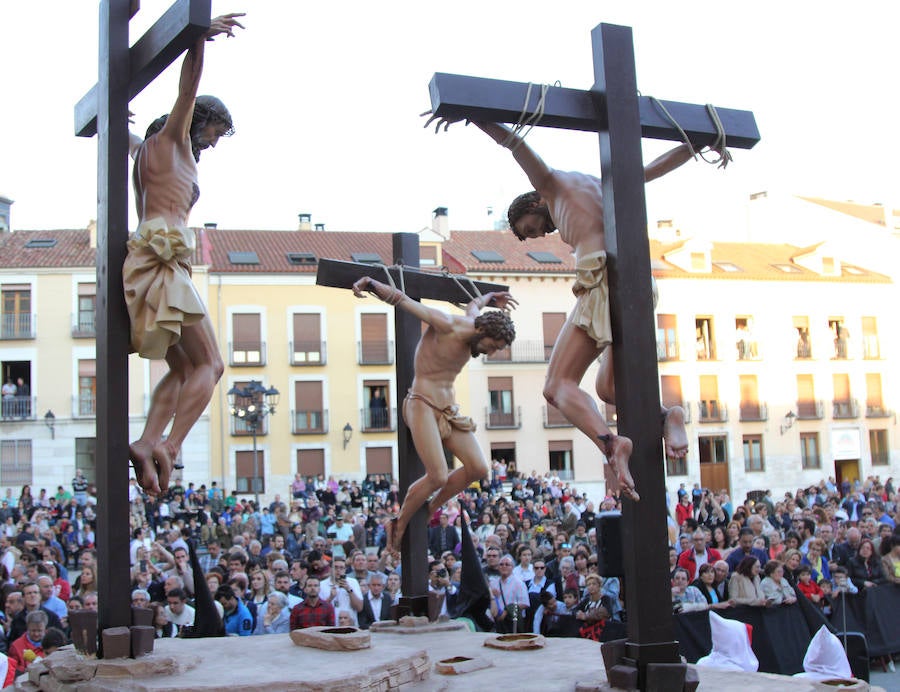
{"x":5,"y":204}
{"x":440,"y":222}
{"x":320,"y":226}
{"x":305,"y":222}
{"x":211,"y":225}
{"x":92,"y":233}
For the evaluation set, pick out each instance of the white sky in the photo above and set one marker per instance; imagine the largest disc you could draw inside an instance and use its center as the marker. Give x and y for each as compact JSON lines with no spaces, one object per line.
{"x":326,"y":97}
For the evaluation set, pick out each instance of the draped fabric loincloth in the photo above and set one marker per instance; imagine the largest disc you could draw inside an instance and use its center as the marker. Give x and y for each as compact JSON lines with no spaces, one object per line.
{"x":449,"y":418}
{"x":591,"y":311}
{"x":159,"y":293}
{"x":591,"y":288}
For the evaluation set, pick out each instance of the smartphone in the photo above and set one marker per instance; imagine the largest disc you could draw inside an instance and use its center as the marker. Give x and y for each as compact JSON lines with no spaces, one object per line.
{"x":143,"y":565}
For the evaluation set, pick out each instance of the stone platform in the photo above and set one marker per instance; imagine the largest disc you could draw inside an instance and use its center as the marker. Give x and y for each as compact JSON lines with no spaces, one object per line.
{"x":272,"y":663}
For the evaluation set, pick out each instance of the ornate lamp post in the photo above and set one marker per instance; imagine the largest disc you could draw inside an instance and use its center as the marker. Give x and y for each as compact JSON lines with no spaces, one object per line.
{"x":251,"y":405}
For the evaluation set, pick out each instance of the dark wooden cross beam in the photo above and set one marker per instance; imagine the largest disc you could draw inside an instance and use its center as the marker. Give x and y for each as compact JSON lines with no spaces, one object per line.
{"x":418,"y":285}
{"x":173,"y":33}
{"x":123,"y":72}
{"x":613,"y":109}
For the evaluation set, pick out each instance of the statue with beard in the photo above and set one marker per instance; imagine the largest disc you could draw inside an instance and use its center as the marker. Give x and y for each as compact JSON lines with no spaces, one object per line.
{"x":429,"y":408}
{"x":168,"y":318}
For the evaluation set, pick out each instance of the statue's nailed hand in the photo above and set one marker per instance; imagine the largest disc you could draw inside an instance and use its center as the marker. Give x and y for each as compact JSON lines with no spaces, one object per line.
{"x":224,"y":24}
{"x":441,"y":120}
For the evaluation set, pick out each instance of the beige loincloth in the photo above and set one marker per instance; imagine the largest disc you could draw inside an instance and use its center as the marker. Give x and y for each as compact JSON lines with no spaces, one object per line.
{"x":158,"y":290}
{"x":449,"y":418}
{"x":591,"y":288}
{"x":591,"y":311}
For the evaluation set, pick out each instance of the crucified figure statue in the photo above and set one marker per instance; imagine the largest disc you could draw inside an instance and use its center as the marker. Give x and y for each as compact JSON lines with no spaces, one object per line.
{"x":573,"y":203}
{"x":429,"y":408}
{"x":168,"y":319}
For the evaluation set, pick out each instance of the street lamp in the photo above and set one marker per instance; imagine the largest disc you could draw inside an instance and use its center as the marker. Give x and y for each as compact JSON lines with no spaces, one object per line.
{"x":251,"y":405}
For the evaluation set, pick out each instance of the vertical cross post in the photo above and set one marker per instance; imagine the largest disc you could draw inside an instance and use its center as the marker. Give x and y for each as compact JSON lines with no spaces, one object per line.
{"x":112,"y":318}
{"x":414,"y":548}
{"x":123,"y":72}
{"x":407,"y":331}
{"x":650,"y":628}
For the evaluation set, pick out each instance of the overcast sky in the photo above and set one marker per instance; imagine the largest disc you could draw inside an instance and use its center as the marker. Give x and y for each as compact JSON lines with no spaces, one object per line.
{"x":326,"y":96}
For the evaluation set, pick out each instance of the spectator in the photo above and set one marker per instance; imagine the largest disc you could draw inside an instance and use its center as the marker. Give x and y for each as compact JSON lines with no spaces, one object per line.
{"x":705,"y":585}
{"x":30,"y":640}
{"x":865,"y":568}
{"x":744,"y":585}
{"x":177,"y":611}
{"x":775,"y":587}
{"x":699,"y":554}
{"x":313,"y":611}
{"x":276,"y":618}
{"x":238,"y":619}
{"x":814,"y":559}
{"x":808,"y":587}
{"x":890,"y":563}
{"x":510,"y":597}
{"x":163,"y":627}
{"x":745,"y":549}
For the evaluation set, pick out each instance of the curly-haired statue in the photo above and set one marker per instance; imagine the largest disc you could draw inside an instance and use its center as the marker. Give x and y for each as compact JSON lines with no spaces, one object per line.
{"x":572,"y":203}
{"x":429,"y":408}
{"x":168,"y":319}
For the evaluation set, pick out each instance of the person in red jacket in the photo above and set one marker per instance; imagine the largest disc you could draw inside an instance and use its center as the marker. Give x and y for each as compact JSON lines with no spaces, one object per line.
{"x":36,"y":628}
{"x":698,"y":554}
{"x":684,"y":509}
{"x":808,"y":587}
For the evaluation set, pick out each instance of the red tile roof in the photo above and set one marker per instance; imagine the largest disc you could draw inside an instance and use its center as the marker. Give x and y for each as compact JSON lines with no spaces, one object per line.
{"x":756,"y":261}
{"x":72,"y":249}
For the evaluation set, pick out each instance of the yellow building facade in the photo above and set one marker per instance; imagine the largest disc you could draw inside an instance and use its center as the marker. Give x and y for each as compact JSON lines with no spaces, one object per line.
{"x":781,"y":353}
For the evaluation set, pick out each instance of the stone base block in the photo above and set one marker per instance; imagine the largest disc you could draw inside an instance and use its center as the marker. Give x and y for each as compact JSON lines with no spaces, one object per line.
{"x":332,"y":638}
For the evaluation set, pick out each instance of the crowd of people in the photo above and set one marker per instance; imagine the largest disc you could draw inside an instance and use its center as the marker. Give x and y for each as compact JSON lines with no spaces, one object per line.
{"x":316,"y":556}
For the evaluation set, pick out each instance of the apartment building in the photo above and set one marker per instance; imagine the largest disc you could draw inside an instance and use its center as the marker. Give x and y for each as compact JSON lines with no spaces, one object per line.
{"x":780,"y":354}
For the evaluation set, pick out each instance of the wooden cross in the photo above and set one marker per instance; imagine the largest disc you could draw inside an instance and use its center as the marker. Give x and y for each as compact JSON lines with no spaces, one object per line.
{"x":407,"y":328}
{"x":614,"y":110}
{"x":123,"y":73}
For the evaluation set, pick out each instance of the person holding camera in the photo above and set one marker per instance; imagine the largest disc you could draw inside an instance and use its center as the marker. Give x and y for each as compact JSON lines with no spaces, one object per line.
{"x":341,"y":591}
{"x":439,"y":583}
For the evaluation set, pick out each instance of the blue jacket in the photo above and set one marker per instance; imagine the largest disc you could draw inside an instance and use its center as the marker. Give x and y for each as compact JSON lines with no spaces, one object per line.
{"x":239,"y":621}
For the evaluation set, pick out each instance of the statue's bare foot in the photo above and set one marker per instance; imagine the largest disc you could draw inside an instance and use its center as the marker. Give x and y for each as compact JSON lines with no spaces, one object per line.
{"x":675,"y":433}
{"x":165,"y":455}
{"x":141,"y":456}
{"x":618,"y":452}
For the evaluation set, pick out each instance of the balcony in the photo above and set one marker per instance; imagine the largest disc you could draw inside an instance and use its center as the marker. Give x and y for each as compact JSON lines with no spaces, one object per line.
{"x":503,"y":420}
{"x":84,"y":406}
{"x":521,"y":352}
{"x":84,"y":325}
{"x":375,"y":420}
{"x":375,"y":352}
{"x":247,"y":354}
{"x":18,"y":408}
{"x":553,"y":418}
{"x":846,"y":408}
{"x":242,"y":428}
{"x":309,"y":422}
{"x":17,"y":325}
{"x":810,"y":410}
{"x":666,"y":351}
{"x":307,"y":352}
{"x":878,"y":411}
{"x":754,"y":412}
{"x":712,"y":411}
{"x":803,"y":351}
